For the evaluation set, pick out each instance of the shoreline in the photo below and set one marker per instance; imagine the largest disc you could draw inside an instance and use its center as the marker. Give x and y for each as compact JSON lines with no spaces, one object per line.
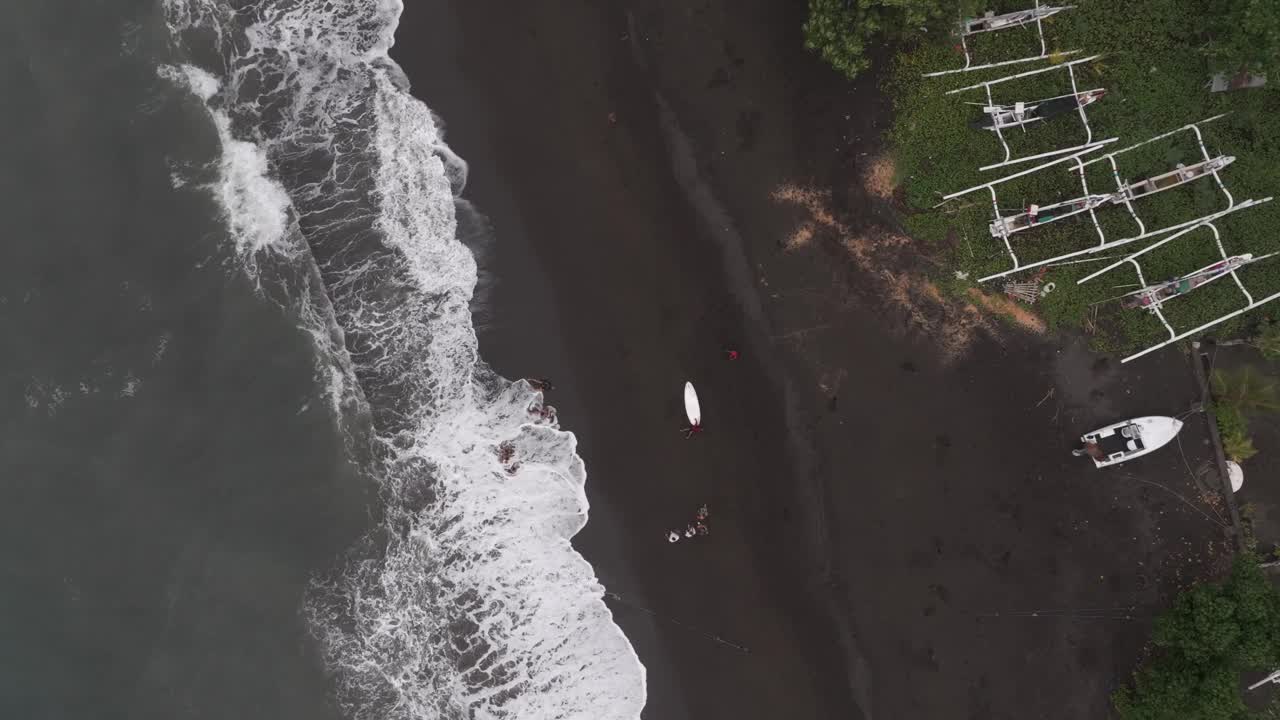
{"x":643,"y":574}
{"x":939,"y":494}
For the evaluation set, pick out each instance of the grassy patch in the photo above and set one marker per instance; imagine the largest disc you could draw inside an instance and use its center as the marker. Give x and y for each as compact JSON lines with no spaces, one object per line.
{"x":1235,"y":393}
{"x":1155,"y":77}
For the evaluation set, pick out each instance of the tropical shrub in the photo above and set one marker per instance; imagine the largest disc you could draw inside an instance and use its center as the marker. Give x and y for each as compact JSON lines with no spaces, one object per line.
{"x":1244,"y":35}
{"x":1212,"y":634}
{"x":841,"y":30}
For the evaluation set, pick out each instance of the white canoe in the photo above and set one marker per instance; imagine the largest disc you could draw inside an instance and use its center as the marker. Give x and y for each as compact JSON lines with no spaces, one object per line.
{"x":691,"y":407}
{"x":1129,"y":439}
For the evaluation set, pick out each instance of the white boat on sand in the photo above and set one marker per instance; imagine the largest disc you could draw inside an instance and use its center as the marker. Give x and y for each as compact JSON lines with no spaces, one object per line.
{"x":1128,"y":439}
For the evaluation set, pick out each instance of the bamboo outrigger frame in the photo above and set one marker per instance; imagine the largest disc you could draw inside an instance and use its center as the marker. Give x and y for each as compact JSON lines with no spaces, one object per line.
{"x":1023,"y":113}
{"x":1129,"y":191}
{"x":995,"y":200}
{"x":991,"y":22}
{"x":1035,"y":215}
{"x":1233,"y":264}
{"x":1120,"y":197}
{"x":1125,"y":194}
{"x":1083,"y":98}
{"x":1152,"y":297}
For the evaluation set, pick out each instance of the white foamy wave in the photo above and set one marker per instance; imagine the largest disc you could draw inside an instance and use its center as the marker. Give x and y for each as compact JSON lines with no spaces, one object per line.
{"x":255,"y":205}
{"x":469,"y":601}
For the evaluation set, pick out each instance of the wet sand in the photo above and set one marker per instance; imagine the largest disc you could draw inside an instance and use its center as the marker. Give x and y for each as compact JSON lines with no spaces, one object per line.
{"x":883,"y":522}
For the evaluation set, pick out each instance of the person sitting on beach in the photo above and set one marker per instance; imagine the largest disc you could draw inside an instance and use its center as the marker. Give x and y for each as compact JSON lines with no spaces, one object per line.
{"x":733,"y":354}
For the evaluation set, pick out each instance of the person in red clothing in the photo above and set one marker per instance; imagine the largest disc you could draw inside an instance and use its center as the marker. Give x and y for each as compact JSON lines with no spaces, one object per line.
{"x":733,"y":354}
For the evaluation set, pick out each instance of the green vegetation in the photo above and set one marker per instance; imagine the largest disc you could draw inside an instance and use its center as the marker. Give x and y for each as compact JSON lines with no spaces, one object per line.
{"x":1234,"y":429}
{"x":1155,"y":66}
{"x":1212,"y":634}
{"x":1267,"y":339}
{"x":1235,"y":34}
{"x":1237,"y":393}
{"x":841,"y":30}
{"x":1244,"y":35}
{"x":1245,"y":390}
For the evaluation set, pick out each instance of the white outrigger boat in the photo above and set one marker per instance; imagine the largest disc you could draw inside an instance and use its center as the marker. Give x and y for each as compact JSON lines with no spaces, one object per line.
{"x":1021,"y":114}
{"x":1153,"y":296}
{"x":1037,"y":215}
{"x":1178,"y":176}
{"x":990,"y":21}
{"x":1128,"y":439}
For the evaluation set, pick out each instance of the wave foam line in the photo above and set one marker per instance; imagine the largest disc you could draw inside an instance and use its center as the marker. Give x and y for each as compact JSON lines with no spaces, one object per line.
{"x":468,"y":601}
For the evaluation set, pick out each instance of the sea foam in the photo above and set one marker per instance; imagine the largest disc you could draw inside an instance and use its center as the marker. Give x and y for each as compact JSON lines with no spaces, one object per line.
{"x":468,"y":601}
{"x":255,"y":205}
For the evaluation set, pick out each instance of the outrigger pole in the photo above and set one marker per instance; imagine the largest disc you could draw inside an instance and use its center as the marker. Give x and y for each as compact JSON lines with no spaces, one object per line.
{"x":1121,"y":187}
{"x":995,"y":202}
{"x":992,"y":22}
{"x":1250,"y":304}
{"x":1132,"y":258}
{"x":1075,"y":92}
{"x":1122,"y":197}
{"x":1125,"y":241}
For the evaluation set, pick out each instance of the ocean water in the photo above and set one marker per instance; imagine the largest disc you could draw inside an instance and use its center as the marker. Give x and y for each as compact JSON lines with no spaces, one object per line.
{"x":254,"y":464}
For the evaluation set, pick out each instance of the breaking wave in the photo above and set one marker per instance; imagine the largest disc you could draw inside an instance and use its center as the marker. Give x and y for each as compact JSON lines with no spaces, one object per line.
{"x":468,"y":600}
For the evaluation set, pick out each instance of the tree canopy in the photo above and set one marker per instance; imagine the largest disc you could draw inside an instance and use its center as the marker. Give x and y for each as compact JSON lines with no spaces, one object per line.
{"x":1213,"y":633}
{"x":841,"y":30}
{"x":1244,"y":35}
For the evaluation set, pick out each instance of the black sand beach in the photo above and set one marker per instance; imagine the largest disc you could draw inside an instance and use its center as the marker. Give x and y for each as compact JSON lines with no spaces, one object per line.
{"x":883,"y":517}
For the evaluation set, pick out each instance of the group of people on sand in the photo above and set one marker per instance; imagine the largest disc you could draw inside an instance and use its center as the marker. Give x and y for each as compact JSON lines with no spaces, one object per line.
{"x":545,"y":413}
{"x":506,"y":450}
{"x":698,"y":526}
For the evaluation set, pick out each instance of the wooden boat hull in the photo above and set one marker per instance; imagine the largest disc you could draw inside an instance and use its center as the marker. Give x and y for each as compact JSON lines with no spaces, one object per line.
{"x":1156,"y":295}
{"x":1172,"y":179}
{"x":1044,"y":216}
{"x":1037,"y":111}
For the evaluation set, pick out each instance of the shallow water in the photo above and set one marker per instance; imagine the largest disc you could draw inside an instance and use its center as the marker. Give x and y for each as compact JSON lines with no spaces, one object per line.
{"x":172,"y":474}
{"x":251,"y":465}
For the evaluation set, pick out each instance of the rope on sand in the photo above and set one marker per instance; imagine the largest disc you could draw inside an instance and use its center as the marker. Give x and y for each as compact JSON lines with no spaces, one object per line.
{"x":673,"y":621}
{"x":1111,"y":613}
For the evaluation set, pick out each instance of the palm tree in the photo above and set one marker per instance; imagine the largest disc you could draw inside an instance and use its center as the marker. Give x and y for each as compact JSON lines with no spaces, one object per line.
{"x":1267,"y":341}
{"x":1245,"y":390}
{"x":1238,"y":446}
